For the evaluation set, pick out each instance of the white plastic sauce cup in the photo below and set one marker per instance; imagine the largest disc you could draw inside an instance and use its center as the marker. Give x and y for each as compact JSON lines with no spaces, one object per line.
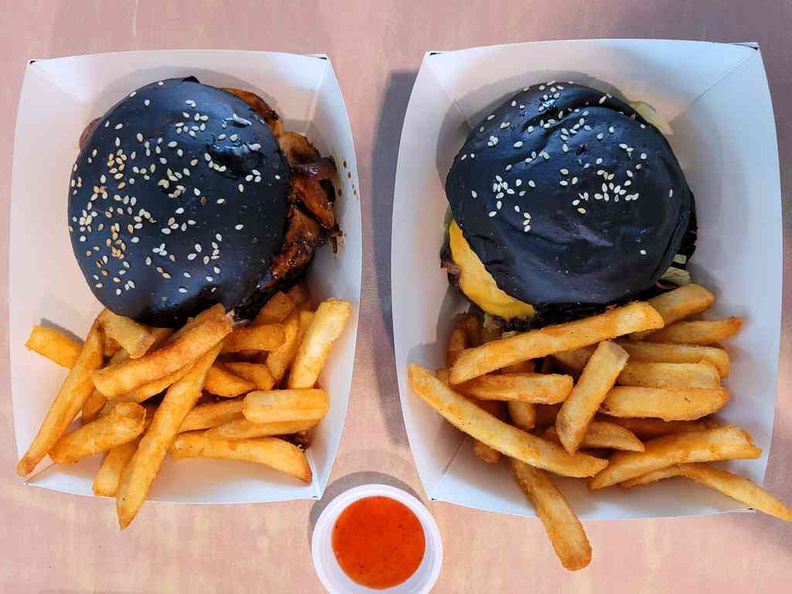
{"x":329,"y":571}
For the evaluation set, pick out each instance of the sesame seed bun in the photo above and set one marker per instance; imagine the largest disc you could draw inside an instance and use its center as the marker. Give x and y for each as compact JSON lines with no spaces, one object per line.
{"x":568,"y":195}
{"x":178,"y":201}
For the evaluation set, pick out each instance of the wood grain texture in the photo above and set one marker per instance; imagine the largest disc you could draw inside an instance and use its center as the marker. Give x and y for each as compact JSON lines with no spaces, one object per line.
{"x":63,"y":543}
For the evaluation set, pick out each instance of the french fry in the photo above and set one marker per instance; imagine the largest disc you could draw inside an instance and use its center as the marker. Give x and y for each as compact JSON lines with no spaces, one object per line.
{"x":150,"y":389}
{"x":206,"y":416}
{"x":276,"y":310}
{"x":221,"y":382}
{"x":244,"y":429}
{"x":269,"y":451}
{"x":739,"y":488}
{"x":285,"y":405}
{"x":327,"y":324}
{"x":649,"y":373}
{"x":669,"y":375}
{"x":109,"y":475}
{"x":257,"y":373}
{"x":93,"y":406}
{"x":703,"y":332}
{"x":651,"y":428}
{"x":574,"y":361}
{"x":125,"y":377}
{"x":652,"y":477}
{"x":553,"y":339}
{"x":161,"y":336}
{"x":678,"y":304}
{"x":215,"y":312}
{"x":124,"y":423}
{"x":145,"y":464}
{"x":563,"y":527}
{"x":537,"y":388}
{"x":677,"y":353}
{"x":603,"y":435}
{"x":110,"y":346}
{"x":299,"y":294}
{"x":721,"y":443}
{"x":54,"y":345}
{"x":731,"y":485}
{"x":480,"y":449}
{"x":133,"y":337}
{"x":68,"y":402}
{"x":522,"y":414}
{"x":668,"y":404}
{"x":597,"y":379}
{"x":255,"y":338}
{"x":465,"y":333}
{"x":295,"y":327}
{"x":510,"y":441}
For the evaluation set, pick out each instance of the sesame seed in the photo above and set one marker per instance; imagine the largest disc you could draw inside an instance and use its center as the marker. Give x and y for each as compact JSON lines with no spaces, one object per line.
{"x":581,"y":210}
{"x":146,"y":102}
{"x":504,"y":125}
{"x":492,"y":213}
{"x":473,"y":193}
{"x":241,"y":188}
{"x":239,"y":227}
{"x":643,"y":252}
{"x":643,"y":156}
{"x":182,"y":290}
{"x":518,"y":144}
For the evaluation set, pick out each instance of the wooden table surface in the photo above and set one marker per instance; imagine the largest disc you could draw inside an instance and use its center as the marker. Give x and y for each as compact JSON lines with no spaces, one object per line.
{"x":52,"y":542}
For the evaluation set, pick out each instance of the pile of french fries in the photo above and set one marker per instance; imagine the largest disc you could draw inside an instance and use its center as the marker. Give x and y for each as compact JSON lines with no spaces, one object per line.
{"x":621,"y":398}
{"x":240,"y":393}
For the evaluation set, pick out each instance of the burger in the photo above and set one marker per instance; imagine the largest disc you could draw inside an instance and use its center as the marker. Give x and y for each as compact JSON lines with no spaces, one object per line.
{"x":564,"y":201}
{"x":186,"y":195}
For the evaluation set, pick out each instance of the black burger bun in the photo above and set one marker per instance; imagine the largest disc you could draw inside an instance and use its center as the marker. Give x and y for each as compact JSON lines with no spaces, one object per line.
{"x":178,"y":201}
{"x":567,"y":195}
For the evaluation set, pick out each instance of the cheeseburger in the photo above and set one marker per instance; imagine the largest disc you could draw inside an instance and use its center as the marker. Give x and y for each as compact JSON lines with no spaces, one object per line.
{"x":186,"y":195}
{"x":564,"y":200}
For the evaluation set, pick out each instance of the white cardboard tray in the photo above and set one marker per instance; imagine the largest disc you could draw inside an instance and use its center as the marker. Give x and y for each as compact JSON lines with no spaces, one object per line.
{"x":717,"y":100}
{"x":59,"y":97}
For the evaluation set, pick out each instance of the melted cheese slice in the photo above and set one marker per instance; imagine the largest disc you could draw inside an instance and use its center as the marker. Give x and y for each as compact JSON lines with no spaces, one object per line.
{"x":478,"y":284}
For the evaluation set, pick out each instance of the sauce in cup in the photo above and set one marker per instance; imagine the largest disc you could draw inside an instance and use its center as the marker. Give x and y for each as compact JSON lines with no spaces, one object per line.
{"x":378,"y":542}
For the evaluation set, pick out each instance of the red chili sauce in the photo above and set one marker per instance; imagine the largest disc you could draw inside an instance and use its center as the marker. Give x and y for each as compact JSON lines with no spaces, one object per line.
{"x":378,"y":542}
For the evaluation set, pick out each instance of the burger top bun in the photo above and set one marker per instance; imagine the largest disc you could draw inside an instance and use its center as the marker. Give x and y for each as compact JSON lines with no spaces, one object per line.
{"x":178,"y":201}
{"x":567,"y":195}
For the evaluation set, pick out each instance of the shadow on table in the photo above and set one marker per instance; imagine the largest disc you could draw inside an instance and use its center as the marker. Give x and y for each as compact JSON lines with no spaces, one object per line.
{"x":350,"y":481}
{"x":386,"y":152}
